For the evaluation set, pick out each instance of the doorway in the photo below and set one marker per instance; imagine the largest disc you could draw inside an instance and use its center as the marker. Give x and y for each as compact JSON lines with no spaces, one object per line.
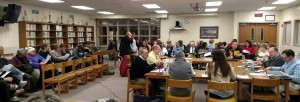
{"x":258,"y":33}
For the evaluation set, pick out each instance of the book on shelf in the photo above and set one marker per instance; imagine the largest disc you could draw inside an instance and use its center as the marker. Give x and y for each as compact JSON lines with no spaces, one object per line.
{"x":46,"y":27}
{"x":59,"y":34}
{"x":58,"y":28}
{"x":46,"y":34}
{"x":31,"y":43}
{"x":70,"y":28}
{"x":30,"y":35}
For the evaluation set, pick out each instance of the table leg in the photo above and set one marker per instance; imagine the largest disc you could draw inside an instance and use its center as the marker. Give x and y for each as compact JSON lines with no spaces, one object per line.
{"x":286,"y":85}
{"x":240,"y":88}
{"x":147,"y":86}
{"x":115,"y":58}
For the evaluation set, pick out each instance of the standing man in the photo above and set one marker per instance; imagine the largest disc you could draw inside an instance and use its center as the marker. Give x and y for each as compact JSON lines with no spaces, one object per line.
{"x":133,"y":45}
{"x":125,"y":49}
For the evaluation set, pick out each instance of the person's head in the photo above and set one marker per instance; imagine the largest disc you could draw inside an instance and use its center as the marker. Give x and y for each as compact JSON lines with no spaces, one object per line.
{"x":204,"y":45}
{"x":177,"y":45}
{"x":156,"y":49}
{"x":145,"y":42}
{"x":216,"y":46}
{"x":169,"y":43}
{"x":62,"y":47}
{"x":1,"y":51}
{"x":225,"y":44}
{"x":21,"y":53}
{"x":180,"y":42}
{"x":211,"y":41}
{"x":81,"y":47}
{"x":45,"y":47}
{"x":263,"y":47}
{"x":199,"y":42}
{"x":192,"y":43}
{"x":162,"y":44}
{"x":234,"y":40}
{"x":288,"y":55}
{"x":222,"y":45}
{"x":55,"y":47}
{"x":248,"y":43}
{"x":30,"y":50}
{"x":143,"y":52}
{"x":271,"y":45}
{"x":220,"y":63}
{"x":273,"y":51}
{"x":234,"y":45}
{"x":154,"y":42}
{"x":129,"y":34}
{"x":179,"y":55}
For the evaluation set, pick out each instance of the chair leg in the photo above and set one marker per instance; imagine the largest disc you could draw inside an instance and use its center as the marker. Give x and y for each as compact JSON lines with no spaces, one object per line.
{"x":58,"y":88}
{"x":43,"y":86}
{"x":76,"y":82}
{"x":67,"y":86}
{"x":127,"y":100}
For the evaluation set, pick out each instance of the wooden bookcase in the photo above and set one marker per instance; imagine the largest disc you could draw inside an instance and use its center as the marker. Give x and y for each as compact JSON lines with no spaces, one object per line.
{"x":33,"y":34}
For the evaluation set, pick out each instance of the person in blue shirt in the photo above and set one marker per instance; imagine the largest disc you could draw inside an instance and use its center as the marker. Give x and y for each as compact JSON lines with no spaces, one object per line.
{"x":290,"y":70}
{"x":177,"y":48}
{"x":210,"y":45}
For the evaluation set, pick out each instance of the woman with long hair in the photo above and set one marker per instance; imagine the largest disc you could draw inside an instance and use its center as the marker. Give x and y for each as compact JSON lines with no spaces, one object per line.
{"x":248,"y":50}
{"x":220,"y":71}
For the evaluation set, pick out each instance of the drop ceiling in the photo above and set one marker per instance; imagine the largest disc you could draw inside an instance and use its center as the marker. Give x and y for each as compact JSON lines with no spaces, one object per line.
{"x":172,"y":6}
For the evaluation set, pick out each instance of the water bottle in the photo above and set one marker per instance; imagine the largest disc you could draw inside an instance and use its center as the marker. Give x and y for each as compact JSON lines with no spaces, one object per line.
{"x":252,"y":68}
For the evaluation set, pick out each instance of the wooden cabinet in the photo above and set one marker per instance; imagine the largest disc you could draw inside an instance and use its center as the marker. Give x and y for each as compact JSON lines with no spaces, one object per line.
{"x":33,"y":34}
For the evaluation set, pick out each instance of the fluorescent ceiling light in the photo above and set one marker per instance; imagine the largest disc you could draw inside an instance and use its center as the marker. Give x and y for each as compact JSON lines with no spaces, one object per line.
{"x":151,"y":6}
{"x":161,"y":11}
{"x":53,"y":1}
{"x":266,"y":8}
{"x":214,"y":3}
{"x":211,"y":9}
{"x":105,"y":12}
{"x":283,"y":1}
{"x":83,"y":7}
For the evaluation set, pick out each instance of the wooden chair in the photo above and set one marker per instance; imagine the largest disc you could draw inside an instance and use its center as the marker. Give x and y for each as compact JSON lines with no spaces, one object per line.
{"x":98,"y":67}
{"x":61,"y":81}
{"x":266,"y":95}
{"x":296,"y":93}
{"x":73,"y":76}
{"x":222,"y":86}
{"x":81,"y":73}
{"x":90,"y":69}
{"x":128,"y":61}
{"x":178,"y":84}
{"x":131,"y":87}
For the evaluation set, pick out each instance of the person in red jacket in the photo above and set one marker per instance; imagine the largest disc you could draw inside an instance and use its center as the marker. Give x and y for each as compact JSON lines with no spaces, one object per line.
{"x":248,"y":50}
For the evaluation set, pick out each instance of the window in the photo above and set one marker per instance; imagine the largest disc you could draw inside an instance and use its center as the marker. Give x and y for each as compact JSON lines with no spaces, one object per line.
{"x":297,"y":32}
{"x":287,"y":33}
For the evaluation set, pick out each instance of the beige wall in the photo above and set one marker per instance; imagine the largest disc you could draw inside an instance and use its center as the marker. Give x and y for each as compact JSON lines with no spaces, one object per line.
{"x":9,"y":35}
{"x":192,"y":32}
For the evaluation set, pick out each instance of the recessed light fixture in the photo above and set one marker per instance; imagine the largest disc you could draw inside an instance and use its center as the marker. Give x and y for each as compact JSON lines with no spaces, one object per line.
{"x":283,"y":1}
{"x":214,"y":3}
{"x":211,"y":9}
{"x":83,"y":7}
{"x":266,"y":8}
{"x":106,"y":12}
{"x":151,"y":6}
{"x":161,"y":11}
{"x":52,"y":1}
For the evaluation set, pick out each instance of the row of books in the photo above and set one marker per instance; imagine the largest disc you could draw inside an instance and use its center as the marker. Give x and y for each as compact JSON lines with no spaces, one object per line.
{"x":46,"y":27}
{"x":30,"y":27}
{"x":71,"y":34}
{"x":80,"y":29}
{"x":89,"y":29}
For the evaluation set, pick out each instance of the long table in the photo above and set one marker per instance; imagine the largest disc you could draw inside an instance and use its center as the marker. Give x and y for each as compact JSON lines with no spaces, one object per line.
{"x":200,"y":75}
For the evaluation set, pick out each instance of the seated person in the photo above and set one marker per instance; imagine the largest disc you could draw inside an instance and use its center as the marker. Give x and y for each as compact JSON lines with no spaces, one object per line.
{"x":36,"y":61}
{"x":4,"y":90}
{"x":191,"y":49}
{"x":210,"y":45}
{"x":14,"y":85}
{"x":79,"y":52}
{"x":56,"y":56}
{"x":180,"y":69}
{"x":263,"y":51}
{"x":248,"y":50}
{"x":234,"y":51}
{"x":177,"y":48}
{"x":139,"y":67}
{"x":290,"y":70}
{"x":220,"y":71}
{"x":274,"y":59}
{"x":169,"y":48}
{"x":164,"y":51}
{"x":154,"y":55}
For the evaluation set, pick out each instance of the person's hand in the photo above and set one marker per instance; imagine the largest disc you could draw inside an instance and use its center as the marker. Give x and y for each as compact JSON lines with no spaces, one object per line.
{"x":158,"y":62}
{"x":42,"y":63}
{"x":258,"y":62}
{"x":9,"y":79}
{"x":30,"y":62}
{"x":230,"y":57}
{"x":268,"y":68}
{"x":239,"y":55}
{"x":281,"y":73}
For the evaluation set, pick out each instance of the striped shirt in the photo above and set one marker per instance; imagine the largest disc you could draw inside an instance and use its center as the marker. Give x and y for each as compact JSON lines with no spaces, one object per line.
{"x":291,"y":70}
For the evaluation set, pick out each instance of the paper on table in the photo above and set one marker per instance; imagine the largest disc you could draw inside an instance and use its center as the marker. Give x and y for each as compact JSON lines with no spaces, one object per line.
{"x":66,"y":56}
{"x":242,"y":76}
{"x":258,"y":74}
{"x":6,"y":67}
{"x":188,"y":58}
{"x":207,"y":54}
{"x":204,"y":75}
{"x":47,"y":59}
{"x":158,"y":70}
{"x":245,"y":51}
{"x":4,"y":75}
{"x":70,"y":58}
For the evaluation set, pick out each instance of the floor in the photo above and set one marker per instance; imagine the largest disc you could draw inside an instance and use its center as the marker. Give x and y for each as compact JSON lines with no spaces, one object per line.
{"x":112,"y":86}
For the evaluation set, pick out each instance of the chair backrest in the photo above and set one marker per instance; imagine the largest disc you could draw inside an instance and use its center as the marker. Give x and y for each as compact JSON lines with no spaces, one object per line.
{"x":59,"y":66}
{"x":179,"y":83}
{"x":265,"y":82}
{"x":128,"y":58}
{"x":79,"y":61}
{"x":45,"y":68}
{"x":128,"y":75}
{"x":88,"y":60}
{"x":67,"y":64}
{"x":222,"y":86}
{"x":94,"y":58}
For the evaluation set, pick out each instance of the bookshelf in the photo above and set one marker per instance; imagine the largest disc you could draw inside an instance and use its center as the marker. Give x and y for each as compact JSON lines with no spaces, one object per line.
{"x":33,"y":34}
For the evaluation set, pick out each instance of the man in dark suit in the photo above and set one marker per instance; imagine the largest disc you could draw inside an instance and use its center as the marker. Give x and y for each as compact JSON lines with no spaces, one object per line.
{"x":274,"y":59}
{"x":191,"y":49}
{"x":125,"y":48}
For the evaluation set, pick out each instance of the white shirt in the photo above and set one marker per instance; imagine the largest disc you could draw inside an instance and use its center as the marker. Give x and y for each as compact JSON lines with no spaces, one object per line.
{"x":164,"y":51}
{"x":192,"y":49}
{"x":133,"y":46}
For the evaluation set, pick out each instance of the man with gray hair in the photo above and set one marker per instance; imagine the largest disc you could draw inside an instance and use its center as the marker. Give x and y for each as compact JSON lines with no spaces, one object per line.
{"x":180,"y":69}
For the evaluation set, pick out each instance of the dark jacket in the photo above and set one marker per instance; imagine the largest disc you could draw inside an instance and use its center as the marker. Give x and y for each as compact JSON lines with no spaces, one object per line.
{"x":231,"y":52}
{"x":3,"y":62}
{"x":139,"y":68}
{"x":169,"y":49}
{"x":276,"y":61}
{"x":78,"y":53}
{"x":187,"y":49}
{"x":180,"y":70}
{"x":125,"y":48}
{"x":44,"y":55}
{"x":20,"y":62}
{"x":112,"y":46}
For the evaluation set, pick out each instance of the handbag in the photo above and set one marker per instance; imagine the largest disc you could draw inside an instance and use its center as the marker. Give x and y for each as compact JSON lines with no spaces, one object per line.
{"x":28,"y":68}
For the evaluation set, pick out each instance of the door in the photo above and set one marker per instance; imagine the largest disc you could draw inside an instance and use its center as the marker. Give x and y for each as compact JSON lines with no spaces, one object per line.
{"x":257,"y":33}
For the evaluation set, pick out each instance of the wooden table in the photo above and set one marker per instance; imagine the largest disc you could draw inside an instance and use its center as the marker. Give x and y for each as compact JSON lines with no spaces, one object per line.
{"x":237,"y":67}
{"x":101,"y":53}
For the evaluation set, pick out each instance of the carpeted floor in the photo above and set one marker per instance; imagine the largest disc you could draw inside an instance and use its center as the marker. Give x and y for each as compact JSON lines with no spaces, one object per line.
{"x":112,"y":86}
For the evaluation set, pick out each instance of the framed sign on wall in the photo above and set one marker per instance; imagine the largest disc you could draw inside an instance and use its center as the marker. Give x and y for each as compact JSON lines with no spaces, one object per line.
{"x":270,"y":17}
{"x":210,"y":32}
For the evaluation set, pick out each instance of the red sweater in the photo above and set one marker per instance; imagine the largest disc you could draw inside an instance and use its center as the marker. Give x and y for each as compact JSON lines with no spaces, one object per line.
{"x":250,"y":49}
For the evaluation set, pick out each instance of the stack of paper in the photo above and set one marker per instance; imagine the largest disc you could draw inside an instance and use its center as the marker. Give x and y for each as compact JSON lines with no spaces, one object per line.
{"x":204,"y":75}
{"x":207,"y":54}
{"x":257,"y":74}
{"x":242,"y":76}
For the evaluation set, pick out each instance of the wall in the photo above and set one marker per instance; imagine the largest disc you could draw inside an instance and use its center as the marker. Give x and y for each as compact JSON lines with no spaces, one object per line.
{"x":9,"y":34}
{"x":290,"y":14}
{"x":192,"y":32}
